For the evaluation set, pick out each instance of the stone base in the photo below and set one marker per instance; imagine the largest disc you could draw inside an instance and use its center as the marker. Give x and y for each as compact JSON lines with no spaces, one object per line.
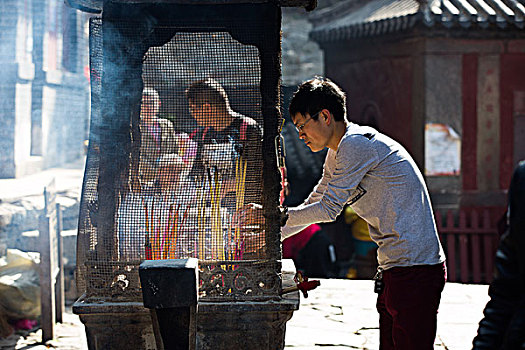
{"x":224,"y":325}
{"x":246,"y":325}
{"x":116,"y":325}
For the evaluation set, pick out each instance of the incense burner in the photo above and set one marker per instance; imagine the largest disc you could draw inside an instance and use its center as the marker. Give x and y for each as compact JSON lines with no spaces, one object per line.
{"x":163,"y":182}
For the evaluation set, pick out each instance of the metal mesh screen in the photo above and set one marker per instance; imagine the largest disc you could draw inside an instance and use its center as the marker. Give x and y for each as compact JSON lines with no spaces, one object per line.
{"x":87,"y":226}
{"x":179,"y":153}
{"x":200,"y":161}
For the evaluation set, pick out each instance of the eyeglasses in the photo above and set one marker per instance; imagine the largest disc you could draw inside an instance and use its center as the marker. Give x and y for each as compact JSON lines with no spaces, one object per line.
{"x":299,"y":128}
{"x":193,"y":107}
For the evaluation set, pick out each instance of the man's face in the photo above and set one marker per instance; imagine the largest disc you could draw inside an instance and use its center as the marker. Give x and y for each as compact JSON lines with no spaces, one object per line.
{"x":201,"y":113}
{"x":312,"y":131}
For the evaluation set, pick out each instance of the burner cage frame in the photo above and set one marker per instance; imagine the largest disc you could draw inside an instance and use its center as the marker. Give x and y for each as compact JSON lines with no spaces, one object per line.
{"x":119,"y":41}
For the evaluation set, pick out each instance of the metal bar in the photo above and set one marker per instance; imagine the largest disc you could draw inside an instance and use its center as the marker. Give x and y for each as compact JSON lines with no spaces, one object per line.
{"x":463,"y":248}
{"x":475,"y":248}
{"x":59,"y":285}
{"x":47,"y":286}
{"x":489,"y":247}
{"x":451,"y":247}
{"x":451,"y":257}
{"x":463,"y":258}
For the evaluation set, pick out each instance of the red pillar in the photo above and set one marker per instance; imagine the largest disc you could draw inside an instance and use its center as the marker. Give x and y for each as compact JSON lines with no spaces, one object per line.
{"x":469,"y":137}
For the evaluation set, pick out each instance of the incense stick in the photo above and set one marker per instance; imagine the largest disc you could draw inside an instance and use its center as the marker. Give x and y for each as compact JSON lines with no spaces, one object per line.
{"x":147,"y":243}
{"x":240,"y":186}
{"x":200,"y":225}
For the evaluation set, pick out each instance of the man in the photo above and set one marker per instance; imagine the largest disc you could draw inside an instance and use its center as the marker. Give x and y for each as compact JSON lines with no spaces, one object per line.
{"x":157,"y":139}
{"x":377,"y":177}
{"x":230,"y":144}
{"x":503,"y":324}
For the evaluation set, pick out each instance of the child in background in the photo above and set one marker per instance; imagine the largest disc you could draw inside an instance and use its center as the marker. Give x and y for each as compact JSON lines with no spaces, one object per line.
{"x":364,"y":262}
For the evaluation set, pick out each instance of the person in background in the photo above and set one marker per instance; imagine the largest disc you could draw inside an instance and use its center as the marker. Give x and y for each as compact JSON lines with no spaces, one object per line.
{"x":364,"y":261}
{"x":229,"y":158}
{"x":503,"y":324}
{"x":311,"y":250}
{"x":379,"y":179}
{"x":157,"y":138}
{"x":146,"y":213}
{"x":165,"y":160}
{"x":225,"y":139}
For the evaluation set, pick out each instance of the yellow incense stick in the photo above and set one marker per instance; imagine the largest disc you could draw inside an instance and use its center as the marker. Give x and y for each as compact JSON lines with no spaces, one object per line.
{"x":167,"y":234}
{"x":212,"y":220}
{"x":201,"y":227}
{"x":146,"y":214}
{"x":240,"y":185}
{"x":220,"y":236}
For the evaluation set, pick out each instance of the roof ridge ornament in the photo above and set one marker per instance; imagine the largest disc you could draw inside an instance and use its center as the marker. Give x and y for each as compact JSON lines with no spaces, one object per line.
{"x":426,"y":12}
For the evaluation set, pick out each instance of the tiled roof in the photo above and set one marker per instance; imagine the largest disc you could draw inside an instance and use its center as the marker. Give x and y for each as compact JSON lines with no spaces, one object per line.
{"x":95,"y":6}
{"x":357,"y":18}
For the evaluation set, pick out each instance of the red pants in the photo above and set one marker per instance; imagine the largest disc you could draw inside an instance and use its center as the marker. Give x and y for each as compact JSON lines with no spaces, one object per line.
{"x":408,"y":306}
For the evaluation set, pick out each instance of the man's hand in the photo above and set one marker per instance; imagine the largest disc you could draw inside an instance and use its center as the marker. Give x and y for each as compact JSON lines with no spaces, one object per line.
{"x":250,"y":220}
{"x":250,"y":214}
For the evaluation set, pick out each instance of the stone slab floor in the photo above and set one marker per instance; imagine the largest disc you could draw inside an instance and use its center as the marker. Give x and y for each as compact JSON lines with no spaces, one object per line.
{"x":340,"y":314}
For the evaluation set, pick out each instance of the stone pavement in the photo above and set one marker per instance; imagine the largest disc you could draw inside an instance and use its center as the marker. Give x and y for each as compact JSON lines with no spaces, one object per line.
{"x":340,"y":314}
{"x":69,"y":335}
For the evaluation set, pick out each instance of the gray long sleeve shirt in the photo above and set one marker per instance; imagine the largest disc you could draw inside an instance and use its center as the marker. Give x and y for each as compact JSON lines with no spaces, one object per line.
{"x":377,"y":177}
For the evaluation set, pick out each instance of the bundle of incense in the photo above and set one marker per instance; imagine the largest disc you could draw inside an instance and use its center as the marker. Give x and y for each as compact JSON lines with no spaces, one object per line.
{"x":240,"y":185}
{"x":216,"y":219}
{"x":156,"y":228}
{"x":175,"y":232}
{"x":169,"y":231}
{"x":167,"y":243}
{"x":231,"y":243}
{"x":147,"y":244}
{"x":157,"y":244}
{"x":162,"y":243}
{"x":212,"y":225}
{"x":201,"y":226}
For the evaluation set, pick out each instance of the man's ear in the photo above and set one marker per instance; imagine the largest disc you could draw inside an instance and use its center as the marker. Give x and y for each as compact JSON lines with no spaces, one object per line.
{"x":327,"y":116}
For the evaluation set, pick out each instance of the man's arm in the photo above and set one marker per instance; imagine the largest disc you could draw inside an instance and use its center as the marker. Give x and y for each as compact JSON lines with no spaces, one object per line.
{"x":355,"y":157}
{"x":168,"y":140}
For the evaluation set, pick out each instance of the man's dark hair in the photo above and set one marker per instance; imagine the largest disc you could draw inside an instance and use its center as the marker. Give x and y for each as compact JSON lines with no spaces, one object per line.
{"x":317,"y":94}
{"x":207,"y":91}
